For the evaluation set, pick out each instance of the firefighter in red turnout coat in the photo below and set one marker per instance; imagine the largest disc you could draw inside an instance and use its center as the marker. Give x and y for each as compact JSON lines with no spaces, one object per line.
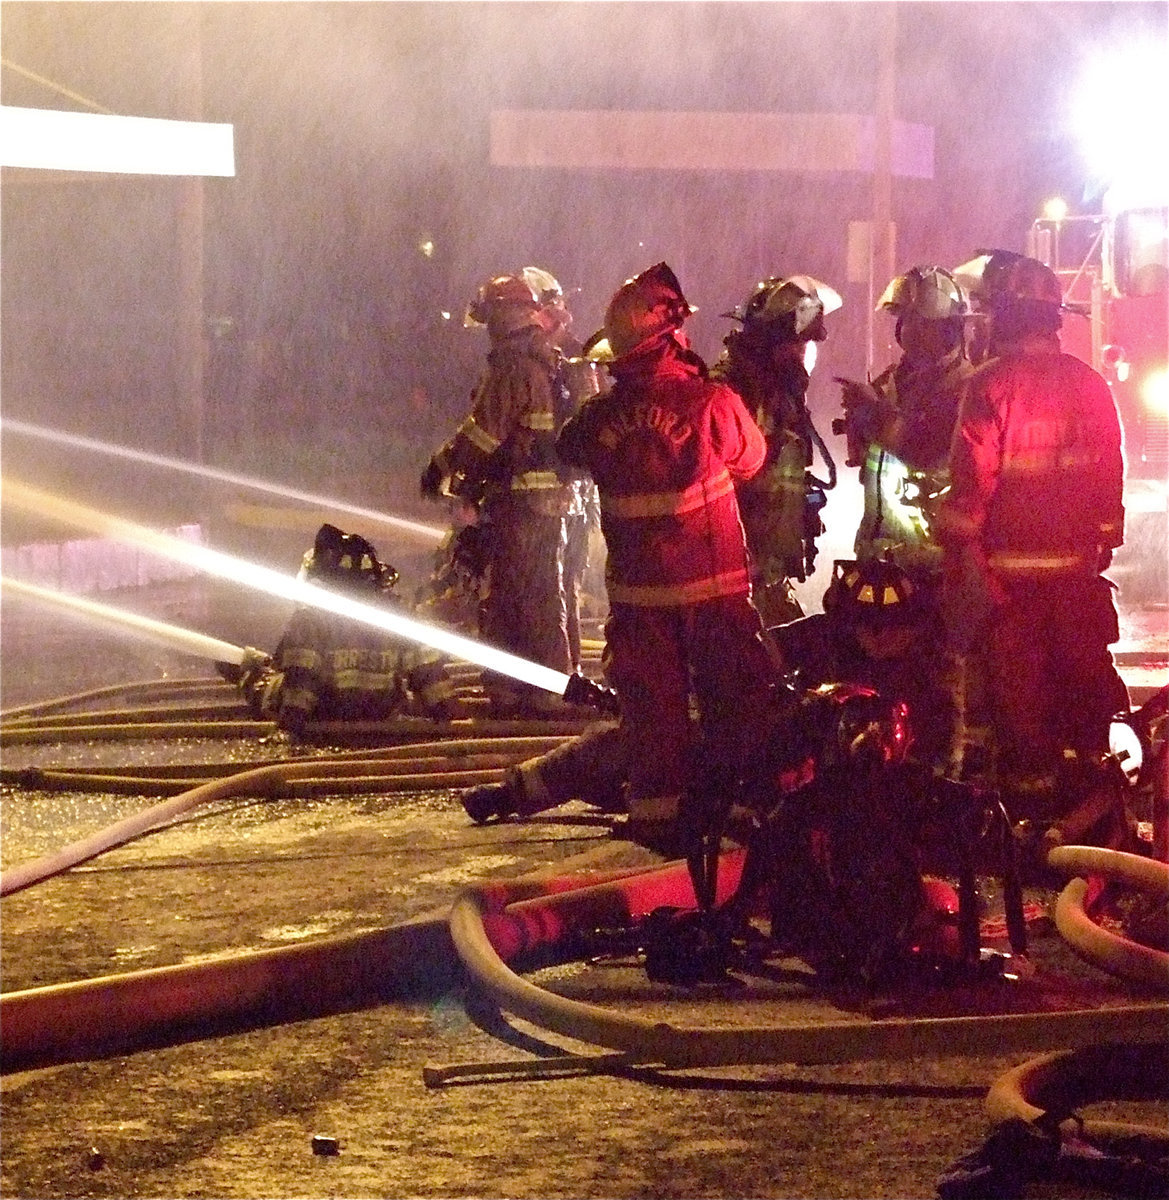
{"x":666,"y":446}
{"x":1029,"y":525}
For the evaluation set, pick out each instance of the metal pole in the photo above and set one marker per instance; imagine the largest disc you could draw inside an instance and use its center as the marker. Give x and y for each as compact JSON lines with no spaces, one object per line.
{"x":189,"y":221}
{"x":882,"y":234}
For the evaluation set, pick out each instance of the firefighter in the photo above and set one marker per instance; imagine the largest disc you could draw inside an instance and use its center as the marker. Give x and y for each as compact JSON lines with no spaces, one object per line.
{"x":578,"y":380}
{"x":875,"y":631}
{"x":666,"y":446}
{"x":502,"y":459}
{"x":450,"y":597}
{"x":768,"y":361}
{"x":902,"y":422}
{"x":332,"y":668}
{"x":899,"y":429}
{"x":881,"y":629}
{"x":1028,"y":527}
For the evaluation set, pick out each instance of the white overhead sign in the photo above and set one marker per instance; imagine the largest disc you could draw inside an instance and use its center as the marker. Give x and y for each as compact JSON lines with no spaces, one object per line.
{"x":704,"y":141}
{"x":77,"y":141}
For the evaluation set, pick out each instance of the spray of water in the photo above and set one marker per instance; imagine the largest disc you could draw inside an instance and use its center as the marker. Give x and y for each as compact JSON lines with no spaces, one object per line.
{"x":429,"y":532}
{"x":273,"y":583}
{"x":174,"y":636}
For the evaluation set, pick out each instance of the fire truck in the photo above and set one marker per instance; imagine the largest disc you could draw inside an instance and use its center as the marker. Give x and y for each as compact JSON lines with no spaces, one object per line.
{"x":1114,"y":269}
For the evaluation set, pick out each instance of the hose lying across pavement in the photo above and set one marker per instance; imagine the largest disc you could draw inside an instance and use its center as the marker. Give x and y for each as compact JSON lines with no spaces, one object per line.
{"x":151,"y":689}
{"x":506,"y":920}
{"x":1064,"y":1081}
{"x":118,"y":1014}
{"x":484,"y":926}
{"x":342,"y":774}
{"x":1110,"y":951}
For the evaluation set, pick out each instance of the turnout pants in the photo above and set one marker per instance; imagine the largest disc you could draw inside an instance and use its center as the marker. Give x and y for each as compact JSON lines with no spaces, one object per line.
{"x":523,"y":605}
{"x":1051,"y":678}
{"x":655,"y":658}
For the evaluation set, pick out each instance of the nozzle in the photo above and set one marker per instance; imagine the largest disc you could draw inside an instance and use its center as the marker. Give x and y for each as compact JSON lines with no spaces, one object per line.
{"x":585,"y":691}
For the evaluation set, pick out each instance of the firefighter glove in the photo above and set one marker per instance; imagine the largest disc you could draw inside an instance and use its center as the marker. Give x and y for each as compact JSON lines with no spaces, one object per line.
{"x":866,"y":411}
{"x":430,"y":484}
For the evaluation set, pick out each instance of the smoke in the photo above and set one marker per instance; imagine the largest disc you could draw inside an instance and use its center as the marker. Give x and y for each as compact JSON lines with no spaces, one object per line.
{"x":366,"y":210}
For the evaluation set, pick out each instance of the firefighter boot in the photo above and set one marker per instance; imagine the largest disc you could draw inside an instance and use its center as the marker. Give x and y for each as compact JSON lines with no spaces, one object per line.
{"x":494,"y":801}
{"x":1094,"y":813}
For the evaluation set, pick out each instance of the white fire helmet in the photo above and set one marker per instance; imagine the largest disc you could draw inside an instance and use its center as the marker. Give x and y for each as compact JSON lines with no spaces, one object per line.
{"x":930,"y":292}
{"x":798,"y":301}
{"x":544,"y":285}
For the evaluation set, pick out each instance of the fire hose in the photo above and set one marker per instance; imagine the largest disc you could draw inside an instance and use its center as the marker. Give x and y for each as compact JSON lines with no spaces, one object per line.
{"x":490,"y":923}
{"x":117,"y":1014}
{"x":307,"y":776}
{"x":441,"y":764}
{"x":142,"y":690}
{"x":346,"y":774}
{"x":1110,"y":951}
{"x":232,"y":719}
{"x":484,"y":925}
{"x":1066,"y":1080}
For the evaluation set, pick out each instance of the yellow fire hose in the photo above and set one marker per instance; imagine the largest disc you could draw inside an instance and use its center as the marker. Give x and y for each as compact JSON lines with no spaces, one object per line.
{"x":667,"y":1045}
{"x":117,"y":1014}
{"x":1067,"y":1080}
{"x":207,"y":711}
{"x":1103,"y":948}
{"x":637,"y":1040}
{"x":392,"y":730}
{"x":123,"y":732}
{"x":346,"y":775}
{"x":143,"y":690}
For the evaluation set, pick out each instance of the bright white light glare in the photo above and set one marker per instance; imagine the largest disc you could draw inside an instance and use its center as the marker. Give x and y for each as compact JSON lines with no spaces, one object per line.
{"x":286,"y":587}
{"x":1155,"y":392}
{"x":159,"y":631}
{"x":1055,"y":209}
{"x":76,"y":141}
{"x":1121,"y":116}
{"x":429,"y":532}
{"x":1124,"y":743}
{"x":1146,"y":232}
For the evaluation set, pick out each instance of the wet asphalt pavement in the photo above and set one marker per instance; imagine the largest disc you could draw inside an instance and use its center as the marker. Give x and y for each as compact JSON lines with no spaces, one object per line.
{"x":232,"y":1112}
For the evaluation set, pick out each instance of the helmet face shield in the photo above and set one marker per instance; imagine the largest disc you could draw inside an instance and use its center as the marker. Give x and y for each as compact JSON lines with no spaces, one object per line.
{"x":597,"y":349}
